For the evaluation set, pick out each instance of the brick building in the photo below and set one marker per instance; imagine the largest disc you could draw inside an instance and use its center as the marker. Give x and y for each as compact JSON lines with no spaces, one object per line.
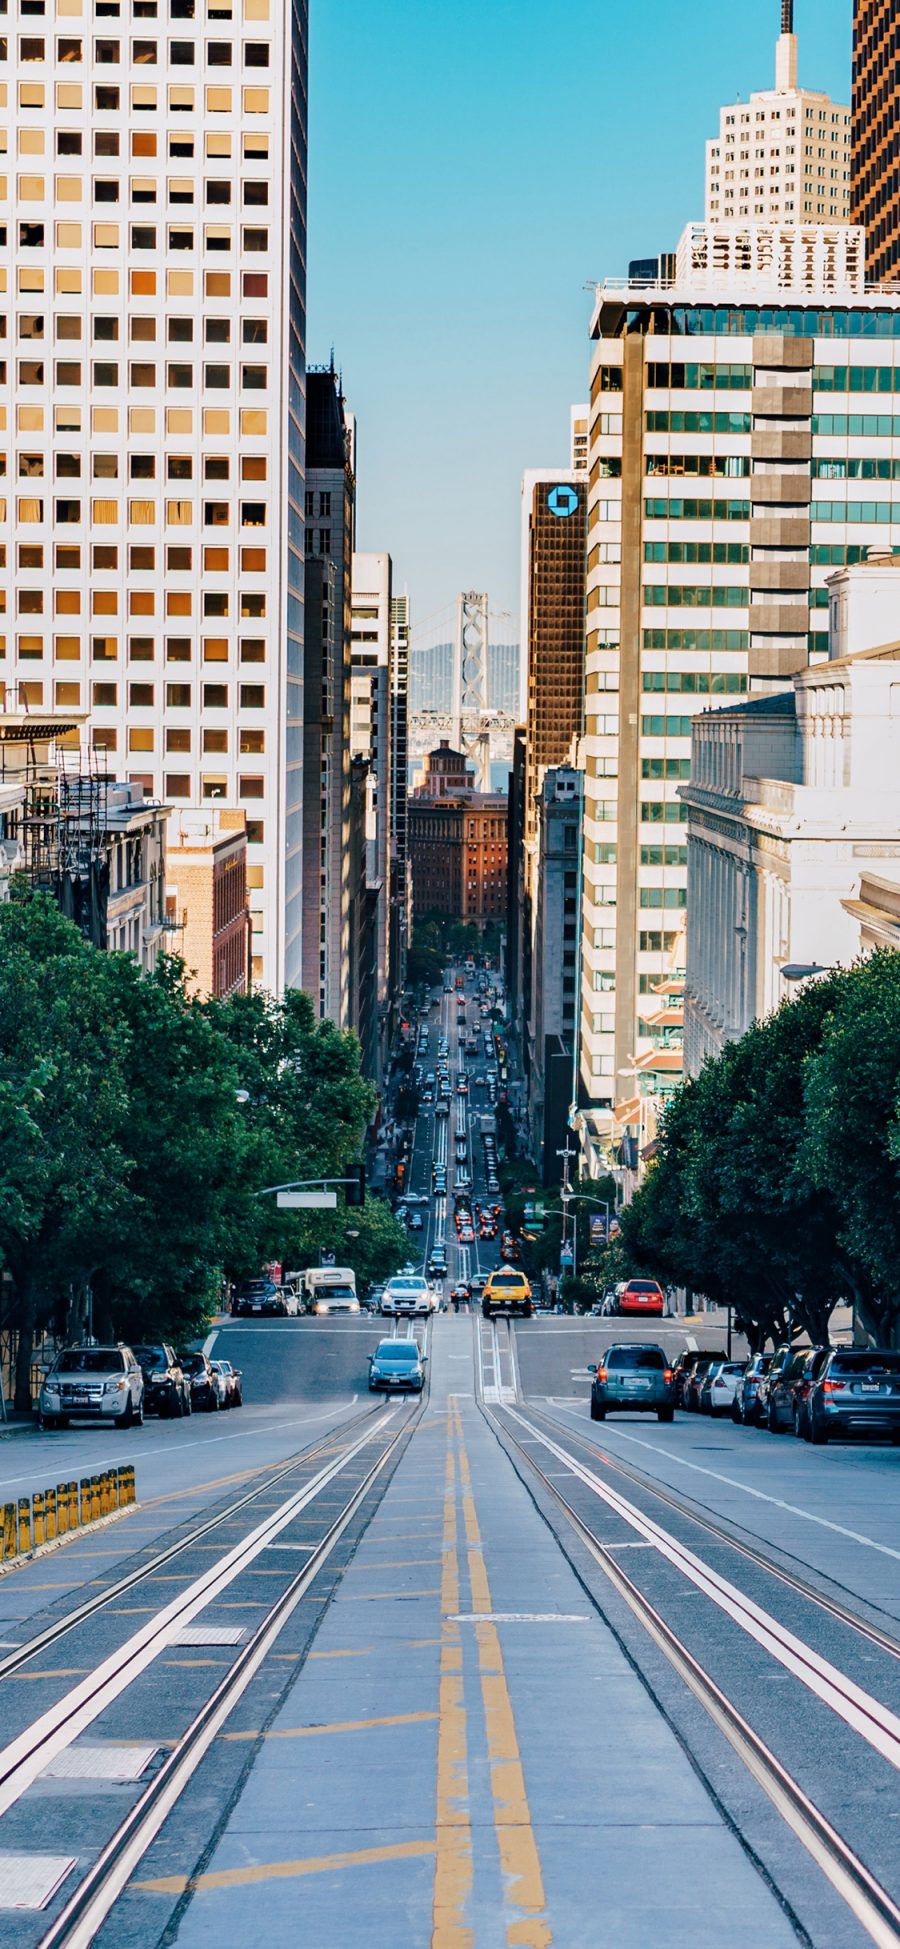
{"x":206,"y":896}
{"x":457,"y":844}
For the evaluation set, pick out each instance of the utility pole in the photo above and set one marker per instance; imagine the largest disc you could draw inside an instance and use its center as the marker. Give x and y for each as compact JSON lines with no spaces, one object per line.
{"x":566,"y":1194}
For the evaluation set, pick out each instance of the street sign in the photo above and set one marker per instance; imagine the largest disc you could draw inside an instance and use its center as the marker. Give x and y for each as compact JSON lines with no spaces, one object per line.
{"x":566,"y":1256}
{"x":307,"y":1201}
{"x":326,"y":1256}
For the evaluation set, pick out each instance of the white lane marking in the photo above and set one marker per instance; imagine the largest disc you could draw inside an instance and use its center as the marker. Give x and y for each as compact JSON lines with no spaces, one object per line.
{"x":692,"y":1344}
{"x":777,"y":1502}
{"x":864,"y":1714}
{"x":55,"y":1729}
{"x":210,"y":1342}
{"x":178,"y":1448}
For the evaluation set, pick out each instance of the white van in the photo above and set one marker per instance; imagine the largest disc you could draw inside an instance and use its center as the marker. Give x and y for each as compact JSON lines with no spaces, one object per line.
{"x":331,"y":1289}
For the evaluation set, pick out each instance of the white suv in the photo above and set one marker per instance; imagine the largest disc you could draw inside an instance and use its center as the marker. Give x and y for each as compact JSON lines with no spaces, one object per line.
{"x":93,"y":1383}
{"x":408,"y":1294}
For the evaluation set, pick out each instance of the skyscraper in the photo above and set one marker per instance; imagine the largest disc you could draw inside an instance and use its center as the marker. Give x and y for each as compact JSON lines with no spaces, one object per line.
{"x":784,"y":155}
{"x":370,"y":739}
{"x":400,"y":884}
{"x":737,"y":466}
{"x":874,"y":178}
{"x":330,"y":502}
{"x":154,"y":245}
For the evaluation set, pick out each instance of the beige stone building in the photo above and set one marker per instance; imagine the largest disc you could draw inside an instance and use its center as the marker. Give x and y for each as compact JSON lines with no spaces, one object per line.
{"x":206,"y":898}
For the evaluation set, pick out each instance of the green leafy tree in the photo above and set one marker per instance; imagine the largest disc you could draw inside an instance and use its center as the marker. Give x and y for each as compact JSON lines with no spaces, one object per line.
{"x":851,"y":1141}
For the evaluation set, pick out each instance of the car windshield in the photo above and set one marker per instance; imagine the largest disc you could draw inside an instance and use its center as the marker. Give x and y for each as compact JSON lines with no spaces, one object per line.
{"x":404,"y":1353}
{"x":191,"y":1362}
{"x":406,"y":1285}
{"x":642,"y":1286}
{"x":223,"y":1366}
{"x":90,"y":1360}
{"x":151,"y":1356}
{"x":633,"y":1359}
{"x":866,"y":1363}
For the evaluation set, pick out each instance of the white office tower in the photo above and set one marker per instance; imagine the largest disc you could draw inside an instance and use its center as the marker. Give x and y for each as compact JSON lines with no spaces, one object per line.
{"x":152,"y":405}
{"x":782,"y":156}
{"x":370,"y":739}
{"x":743,"y":447}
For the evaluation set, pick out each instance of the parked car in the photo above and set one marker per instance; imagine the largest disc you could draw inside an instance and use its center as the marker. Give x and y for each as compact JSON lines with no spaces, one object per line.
{"x":780,"y":1390}
{"x":633,"y":1380}
{"x":206,"y":1385}
{"x":694,"y":1383}
{"x":803,"y":1386}
{"x":167,"y":1390}
{"x":234,"y":1383}
{"x":397,"y":1366}
{"x":720,"y":1386}
{"x":857,"y":1392}
{"x":743,"y":1407}
{"x":684,"y":1365}
{"x":92,"y":1383}
{"x":780,"y":1359}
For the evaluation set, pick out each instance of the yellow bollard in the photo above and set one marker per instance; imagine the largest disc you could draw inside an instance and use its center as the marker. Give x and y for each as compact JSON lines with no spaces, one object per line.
{"x":24,"y":1525}
{"x":73,"y":1505}
{"x":51,"y":1519}
{"x":10,"y":1532}
{"x":62,"y":1508}
{"x":84,"y":1514}
{"x":38,"y":1530}
{"x":103,"y":1480}
{"x":126,"y":1487}
{"x":95,"y":1498}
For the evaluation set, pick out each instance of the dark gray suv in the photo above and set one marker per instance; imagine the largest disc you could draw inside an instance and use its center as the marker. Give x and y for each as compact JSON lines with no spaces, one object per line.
{"x":857,"y":1393}
{"x":633,"y":1379}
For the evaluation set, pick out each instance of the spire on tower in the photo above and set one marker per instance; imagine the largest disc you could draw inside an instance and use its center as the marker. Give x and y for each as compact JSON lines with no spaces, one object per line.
{"x":786,"y":51}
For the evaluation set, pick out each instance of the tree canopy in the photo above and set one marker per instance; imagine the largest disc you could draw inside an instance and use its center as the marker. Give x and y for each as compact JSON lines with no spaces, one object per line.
{"x":138,"y":1124}
{"x":775,"y":1187}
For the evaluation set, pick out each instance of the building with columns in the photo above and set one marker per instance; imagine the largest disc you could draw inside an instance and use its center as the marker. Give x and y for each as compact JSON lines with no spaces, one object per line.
{"x":793,"y":825}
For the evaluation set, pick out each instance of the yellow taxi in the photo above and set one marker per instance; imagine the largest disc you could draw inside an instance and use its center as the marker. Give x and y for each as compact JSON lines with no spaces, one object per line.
{"x":507,"y":1291}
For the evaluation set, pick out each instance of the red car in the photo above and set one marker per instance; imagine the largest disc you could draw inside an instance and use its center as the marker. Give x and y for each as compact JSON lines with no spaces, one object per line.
{"x":642,"y":1296}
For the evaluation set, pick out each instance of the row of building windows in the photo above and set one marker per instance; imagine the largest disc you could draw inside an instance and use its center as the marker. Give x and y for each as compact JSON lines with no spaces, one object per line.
{"x":666,"y":727}
{"x":696,"y":639}
{"x":856,"y":378}
{"x":685,"y":595}
{"x":108,"y":98}
{"x":679,"y":510}
{"x":696,"y":683}
{"x":69,"y":51}
{"x":143,"y":696}
{"x":30,"y":510}
{"x":141,"y":466}
{"x":679,"y":421}
{"x":139,"y":189}
{"x":703,"y":377}
{"x":68,"y":557}
{"x":856,"y":512}
{"x":143,"y":327}
{"x":140,"y":649}
{"x":734,"y":321}
{"x":703,"y":466}
{"x":139,"y":374}
{"x":666,"y":768}
{"x":732,"y":553}
{"x":663,"y":897}
{"x":33,"y":235}
{"x":218,"y":145}
{"x":214,"y":604}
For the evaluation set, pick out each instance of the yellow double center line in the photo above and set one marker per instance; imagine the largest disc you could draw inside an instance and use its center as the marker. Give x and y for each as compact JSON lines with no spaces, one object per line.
{"x":527,"y":1927}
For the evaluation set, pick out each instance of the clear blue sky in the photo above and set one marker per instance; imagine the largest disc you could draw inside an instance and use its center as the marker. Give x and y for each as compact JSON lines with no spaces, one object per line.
{"x":472,"y":164}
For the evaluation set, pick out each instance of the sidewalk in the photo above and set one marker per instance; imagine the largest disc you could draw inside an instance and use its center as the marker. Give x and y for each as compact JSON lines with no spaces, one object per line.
{"x":467,"y":1746}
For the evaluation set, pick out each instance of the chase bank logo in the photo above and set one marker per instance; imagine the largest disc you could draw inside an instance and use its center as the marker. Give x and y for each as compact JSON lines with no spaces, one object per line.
{"x":562,"y":501}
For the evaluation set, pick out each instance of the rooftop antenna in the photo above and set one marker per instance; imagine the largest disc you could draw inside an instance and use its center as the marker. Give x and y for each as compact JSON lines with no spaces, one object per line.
{"x":786,"y":52}
{"x":787,"y":16}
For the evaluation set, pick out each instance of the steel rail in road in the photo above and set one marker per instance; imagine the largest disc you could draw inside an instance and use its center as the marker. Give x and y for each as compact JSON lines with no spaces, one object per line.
{"x":874,"y":1634}
{"x":84,"y":1913}
{"x":14,"y":1660}
{"x":869,"y":1901}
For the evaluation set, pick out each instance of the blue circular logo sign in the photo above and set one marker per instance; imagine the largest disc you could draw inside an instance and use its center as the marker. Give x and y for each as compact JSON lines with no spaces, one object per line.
{"x":562,"y":501}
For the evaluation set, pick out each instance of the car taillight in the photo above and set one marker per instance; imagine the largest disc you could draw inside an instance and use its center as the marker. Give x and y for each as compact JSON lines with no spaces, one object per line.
{"x":601,"y":1373}
{"x":833,"y":1387}
{"x":668,"y":1376}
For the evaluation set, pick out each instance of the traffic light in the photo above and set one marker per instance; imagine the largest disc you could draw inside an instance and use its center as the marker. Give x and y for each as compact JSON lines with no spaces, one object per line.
{"x":355,"y":1185}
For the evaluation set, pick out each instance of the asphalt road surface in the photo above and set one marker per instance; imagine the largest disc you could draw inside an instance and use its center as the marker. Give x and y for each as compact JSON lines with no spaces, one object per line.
{"x":460,"y":1674}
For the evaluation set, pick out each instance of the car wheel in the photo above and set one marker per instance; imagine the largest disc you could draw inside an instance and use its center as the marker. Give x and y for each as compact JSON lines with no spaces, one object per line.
{"x":597,"y":1414}
{"x":486,"y":1310}
{"x":818,"y":1434}
{"x":772,"y":1422}
{"x":736,"y":1414}
{"x":798,"y":1422}
{"x":665,"y":1414}
{"x":187,"y":1402}
{"x":46,"y":1422}
{"x":125,"y":1420}
{"x":139,"y":1413}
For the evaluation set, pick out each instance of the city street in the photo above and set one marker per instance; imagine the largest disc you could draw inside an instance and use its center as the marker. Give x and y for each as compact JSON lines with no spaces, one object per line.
{"x":464,"y":1672}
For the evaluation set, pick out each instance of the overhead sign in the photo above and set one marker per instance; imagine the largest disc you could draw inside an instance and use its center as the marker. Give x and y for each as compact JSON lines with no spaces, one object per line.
{"x":307,"y":1200}
{"x":598,"y":1229}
